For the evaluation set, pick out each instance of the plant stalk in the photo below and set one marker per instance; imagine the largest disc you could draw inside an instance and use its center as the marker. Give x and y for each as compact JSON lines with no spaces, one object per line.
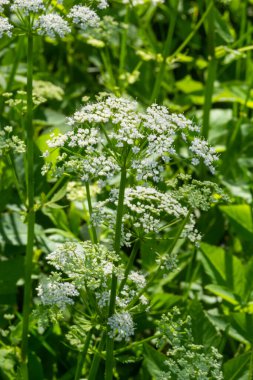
{"x":30,"y":202}
{"x":96,"y":360}
{"x":119,"y":216}
{"x":92,"y":228}
{"x":129,"y":265}
{"x":82,"y":356}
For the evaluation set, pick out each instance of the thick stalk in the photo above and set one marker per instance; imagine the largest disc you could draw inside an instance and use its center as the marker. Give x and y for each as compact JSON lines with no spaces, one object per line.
{"x":82,"y":356}
{"x":129,"y":265}
{"x":30,"y":204}
{"x":96,"y":360}
{"x":119,"y":216}
{"x":92,"y":228}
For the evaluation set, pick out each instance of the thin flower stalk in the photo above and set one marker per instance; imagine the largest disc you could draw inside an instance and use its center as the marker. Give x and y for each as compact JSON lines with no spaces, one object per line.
{"x":30,"y":205}
{"x":119,"y":217}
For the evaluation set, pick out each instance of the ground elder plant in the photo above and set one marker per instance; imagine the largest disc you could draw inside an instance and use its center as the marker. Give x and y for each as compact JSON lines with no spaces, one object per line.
{"x":111,"y":138}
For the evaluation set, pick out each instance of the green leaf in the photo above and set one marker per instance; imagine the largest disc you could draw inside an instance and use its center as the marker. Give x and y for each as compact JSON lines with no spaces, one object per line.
{"x":154,"y":361}
{"x":224,"y":293}
{"x":221,"y":27}
{"x":237,"y":368}
{"x":203,"y":329}
{"x":241,"y":218}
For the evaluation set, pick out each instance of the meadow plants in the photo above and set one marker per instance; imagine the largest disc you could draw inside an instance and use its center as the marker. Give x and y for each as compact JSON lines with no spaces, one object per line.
{"x":113,"y":191}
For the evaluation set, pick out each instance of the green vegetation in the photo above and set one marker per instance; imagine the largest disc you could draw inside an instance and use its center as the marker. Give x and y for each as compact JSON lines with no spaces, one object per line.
{"x":126,"y":158}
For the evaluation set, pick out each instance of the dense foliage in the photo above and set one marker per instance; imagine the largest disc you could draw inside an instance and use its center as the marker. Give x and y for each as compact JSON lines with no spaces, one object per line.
{"x":126,"y":186}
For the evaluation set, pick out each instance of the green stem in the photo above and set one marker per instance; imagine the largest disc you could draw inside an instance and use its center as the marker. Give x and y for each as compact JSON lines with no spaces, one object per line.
{"x":96,"y":360}
{"x":166,"y":52}
{"x":129,"y":265}
{"x":238,"y":67}
{"x":195,"y":29}
{"x":158,"y":270}
{"x":82,"y":356}
{"x":54,"y":188}
{"x":119,"y":216}
{"x":211,"y":73}
{"x":123,"y":47}
{"x":30,"y":205}
{"x":136,"y":344}
{"x":92,"y":228}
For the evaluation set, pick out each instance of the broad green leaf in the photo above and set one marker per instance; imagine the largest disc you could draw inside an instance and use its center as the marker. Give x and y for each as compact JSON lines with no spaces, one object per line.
{"x":203,"y":329}
{"x":224,"y":269}
{"x":214,"y":262}
{"x":237,"y":368}
{"x":154,"y":361}
{"x":189,"y":85}
{"x":241,"y":218}
{"x":224,"y":293}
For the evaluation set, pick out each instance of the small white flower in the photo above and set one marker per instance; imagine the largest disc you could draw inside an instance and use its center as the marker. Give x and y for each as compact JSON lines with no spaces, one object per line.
{"x":122,"y":326}
{"x":53,"y":292}
{"x":102,"y":4}
{"x":84,"y":17}
{"x":28,"y":6}
{"x":52,"y":25}
{"x":2,"y":3}
{"x":5,"y":27}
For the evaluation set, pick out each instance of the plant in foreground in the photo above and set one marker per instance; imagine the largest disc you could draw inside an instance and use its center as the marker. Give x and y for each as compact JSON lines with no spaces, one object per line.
{"x":111,"y":138}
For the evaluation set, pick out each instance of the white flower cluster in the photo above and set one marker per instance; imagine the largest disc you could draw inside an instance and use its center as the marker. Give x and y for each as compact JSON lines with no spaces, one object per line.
{"x":102,"y":4}
{"x":2,"y":3}
{"x":147,"y":210}
{"x":28,"y":6}
{"x":84,"y":263}
{"x":84,"y":17}
{"x":151,"y":135}
{"x":81,"y":138}
{"x":10,"y":142}
{"x":75,"y":191}
{"x":52,"y":25}
{"x":135,"y":3}
{"x":89,"y":268}
{"x":202,"y":150}
{"x":5,"y":27}
{"x":53,"y":292}
{"x":89,"y":163}
{"x":122,"y":326}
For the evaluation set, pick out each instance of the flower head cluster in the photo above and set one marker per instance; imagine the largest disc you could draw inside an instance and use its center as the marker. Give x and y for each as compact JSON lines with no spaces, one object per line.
{"x":53,"y":291}
{"x":198,"y":195}
{"x":135,"y":3}
{"x":149,"y":139}
{"x":52,"y":25}
{"x":28,"y":6}
{"x":5,"y":27}
{"x":3,"y":3}
{"x":84,"y":263}
{"x":187,"y":360}
{"x":9,"y":142}
{"x":122,"y":326}
{"x":146,"y":210}
{"x":83,"y":16}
